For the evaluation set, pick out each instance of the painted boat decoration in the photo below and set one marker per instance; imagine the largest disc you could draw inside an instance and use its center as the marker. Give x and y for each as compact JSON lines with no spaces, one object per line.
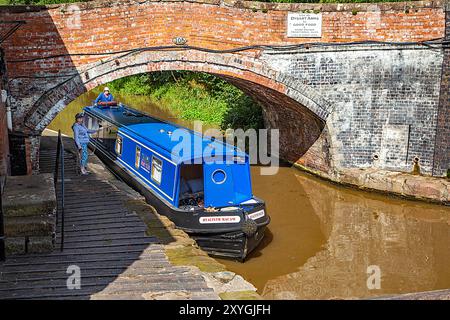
{"x":209,"y":197}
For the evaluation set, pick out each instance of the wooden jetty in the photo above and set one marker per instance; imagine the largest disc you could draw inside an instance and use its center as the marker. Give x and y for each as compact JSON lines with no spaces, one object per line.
{"x":117,"y":260}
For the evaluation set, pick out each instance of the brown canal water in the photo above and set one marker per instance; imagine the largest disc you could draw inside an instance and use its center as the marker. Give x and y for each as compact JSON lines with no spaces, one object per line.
{"x":325,"y":241}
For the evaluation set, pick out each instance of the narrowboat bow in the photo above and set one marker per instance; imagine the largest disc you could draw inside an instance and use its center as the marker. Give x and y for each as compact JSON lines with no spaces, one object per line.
{"x":206,"y":191}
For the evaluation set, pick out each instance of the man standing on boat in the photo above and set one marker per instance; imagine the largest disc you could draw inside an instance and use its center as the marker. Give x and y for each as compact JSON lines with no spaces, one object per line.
{"x":105,"y":98}
{"x":81,"y":137}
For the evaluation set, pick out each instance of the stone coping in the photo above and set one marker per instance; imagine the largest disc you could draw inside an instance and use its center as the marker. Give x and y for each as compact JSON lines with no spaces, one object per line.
{"x":443,"y":294}
{"x":401,"y":184}
{"x":251,"y":5}
{"x":29,"y":195}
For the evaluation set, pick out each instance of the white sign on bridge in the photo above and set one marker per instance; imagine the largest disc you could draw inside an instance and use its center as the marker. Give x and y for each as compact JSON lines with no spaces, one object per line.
{"x":304,"y":25}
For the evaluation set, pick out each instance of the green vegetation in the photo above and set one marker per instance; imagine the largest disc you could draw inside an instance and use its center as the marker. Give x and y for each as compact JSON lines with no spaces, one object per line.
{"x":195,"y":96}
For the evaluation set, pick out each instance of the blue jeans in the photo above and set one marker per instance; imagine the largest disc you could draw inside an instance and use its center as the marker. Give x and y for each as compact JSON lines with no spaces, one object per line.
{"x":84,"y":155}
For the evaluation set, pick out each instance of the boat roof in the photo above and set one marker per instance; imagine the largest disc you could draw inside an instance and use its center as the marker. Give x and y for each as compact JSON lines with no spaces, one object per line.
{"x":150,"y":129}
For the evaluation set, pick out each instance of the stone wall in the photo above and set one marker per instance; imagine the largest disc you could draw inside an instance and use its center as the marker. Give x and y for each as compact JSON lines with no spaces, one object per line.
{"x":442,"y":145}
{"x":385,"y":102}
{"x":30,"y":217}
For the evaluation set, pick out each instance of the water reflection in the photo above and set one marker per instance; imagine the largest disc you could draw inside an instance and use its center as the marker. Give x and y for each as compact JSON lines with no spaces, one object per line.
{"x":409,"y":241}
{"x":323,"y":237}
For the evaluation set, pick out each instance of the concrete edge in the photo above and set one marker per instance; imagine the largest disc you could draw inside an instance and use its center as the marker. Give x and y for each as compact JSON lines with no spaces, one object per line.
{"x":443,"y":294}
{"x":416,"y":196}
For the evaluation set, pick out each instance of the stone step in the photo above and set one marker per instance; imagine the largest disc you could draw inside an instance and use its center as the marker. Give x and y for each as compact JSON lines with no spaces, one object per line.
{"x":160,"y":273}
{"x":23,"y":245}
{"x":73,"y":218}
{"x":87,"y":209}
{"x":100,"y":221}
{"x":112,"y":231}
{"x":105,"y":226}
{"x":40,"y":265}
{"x":92,"y":244}
{"x":74,"y":239}
{"x":29,"y":226}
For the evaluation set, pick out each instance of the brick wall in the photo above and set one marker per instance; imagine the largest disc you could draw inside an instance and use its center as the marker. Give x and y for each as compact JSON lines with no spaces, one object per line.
{"x":20,"y":153}
{"x":4,"y":144}
{"x":442,"y":145}
{"x":372,"y":94}
{"x":3,"y":141}
{"x":210,"y":24}
{"x":385,"y":102}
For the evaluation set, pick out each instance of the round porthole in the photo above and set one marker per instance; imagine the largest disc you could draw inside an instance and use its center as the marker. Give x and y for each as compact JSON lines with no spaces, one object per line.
{"x":219,"y":176}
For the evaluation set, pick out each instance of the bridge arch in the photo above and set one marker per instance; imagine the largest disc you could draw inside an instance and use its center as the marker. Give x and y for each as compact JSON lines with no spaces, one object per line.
{"x":277,"y":93}
{"x":242,"y":71}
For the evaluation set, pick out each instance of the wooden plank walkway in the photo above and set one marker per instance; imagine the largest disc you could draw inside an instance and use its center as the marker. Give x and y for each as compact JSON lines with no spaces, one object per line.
{"x":107,"y":242}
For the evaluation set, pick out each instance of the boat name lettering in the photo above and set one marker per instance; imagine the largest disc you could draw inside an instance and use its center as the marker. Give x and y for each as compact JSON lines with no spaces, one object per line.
{"x":256,"y":215}
{"x":223,"y":219}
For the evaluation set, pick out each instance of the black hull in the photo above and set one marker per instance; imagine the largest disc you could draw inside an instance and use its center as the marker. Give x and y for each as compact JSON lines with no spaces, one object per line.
{"x":227,"y":241}
{"x":238,"y":247}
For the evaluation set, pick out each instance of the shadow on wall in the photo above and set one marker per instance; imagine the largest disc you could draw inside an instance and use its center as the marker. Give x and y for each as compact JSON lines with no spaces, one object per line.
{"x":24,"y":67}
{"x":299,"y":128}
{"x":111,"y":252}
{"x":4,"y":148}
{"x":24,"y":51}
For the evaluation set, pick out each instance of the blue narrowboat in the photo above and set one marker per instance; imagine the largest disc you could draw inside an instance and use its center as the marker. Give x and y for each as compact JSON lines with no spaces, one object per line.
{"x":204,"y":189}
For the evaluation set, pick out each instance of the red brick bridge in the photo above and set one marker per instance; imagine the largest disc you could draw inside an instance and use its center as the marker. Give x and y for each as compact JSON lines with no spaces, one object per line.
{"x":371,"y":90}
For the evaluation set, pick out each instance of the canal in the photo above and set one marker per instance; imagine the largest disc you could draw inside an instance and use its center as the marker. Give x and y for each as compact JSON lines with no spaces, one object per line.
{"x":325,"y":241}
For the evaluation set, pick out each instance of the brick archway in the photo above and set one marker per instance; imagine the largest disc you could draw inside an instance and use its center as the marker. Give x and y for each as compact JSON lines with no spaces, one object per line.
{"x":252,"y":76}
{"x":296,"y":109}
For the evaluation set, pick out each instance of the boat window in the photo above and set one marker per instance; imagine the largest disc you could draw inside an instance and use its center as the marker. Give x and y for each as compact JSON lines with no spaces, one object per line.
{"x":191,"y":188}
{"x":91,"y":123}
{"x":156,"y":170}
{"x":107,"y":135}
{"x":137,"y":161}
{"x":119,"y":144}
{"x":145,"y":162}
{"x":219,"y":176}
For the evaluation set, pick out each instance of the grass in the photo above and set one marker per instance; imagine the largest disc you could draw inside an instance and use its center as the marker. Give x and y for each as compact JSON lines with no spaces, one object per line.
{"x":195,"y":96}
